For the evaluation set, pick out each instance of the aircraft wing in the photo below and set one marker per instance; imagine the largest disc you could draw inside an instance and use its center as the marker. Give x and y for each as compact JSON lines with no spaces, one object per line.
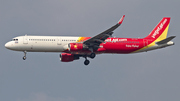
{"x":95,"y":41}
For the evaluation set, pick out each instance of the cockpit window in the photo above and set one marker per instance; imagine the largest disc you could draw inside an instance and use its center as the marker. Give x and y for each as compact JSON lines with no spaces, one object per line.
{"x":14,"y":39}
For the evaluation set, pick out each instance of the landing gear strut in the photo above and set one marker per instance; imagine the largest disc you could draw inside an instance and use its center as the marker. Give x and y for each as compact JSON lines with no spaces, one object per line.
{"x":86,"y":62}
{"x":92,"y":55}
{"x":24,"y":57}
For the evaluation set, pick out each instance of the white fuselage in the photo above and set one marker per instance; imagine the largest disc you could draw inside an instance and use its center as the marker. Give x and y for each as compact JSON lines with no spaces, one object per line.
{"x":54,"y":44}
{"x":40,"y":43}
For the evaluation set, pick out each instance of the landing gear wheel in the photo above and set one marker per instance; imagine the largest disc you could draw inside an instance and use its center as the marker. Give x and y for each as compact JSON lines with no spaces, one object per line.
{"x":86,"y":62}
{"x":24,"y":58}
{"x":92,"y":55}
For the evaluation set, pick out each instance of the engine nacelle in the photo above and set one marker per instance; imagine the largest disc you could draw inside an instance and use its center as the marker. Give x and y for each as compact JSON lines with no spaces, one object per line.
{"x":76,"y":46}
{"x":66,"y":57}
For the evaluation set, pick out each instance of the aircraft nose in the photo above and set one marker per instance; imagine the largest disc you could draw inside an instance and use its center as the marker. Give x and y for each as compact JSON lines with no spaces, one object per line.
{"x":7,"y":45}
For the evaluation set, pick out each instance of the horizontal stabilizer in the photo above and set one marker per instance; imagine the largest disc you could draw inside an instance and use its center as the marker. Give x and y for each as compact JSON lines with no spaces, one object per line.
{"x":165,"y":40}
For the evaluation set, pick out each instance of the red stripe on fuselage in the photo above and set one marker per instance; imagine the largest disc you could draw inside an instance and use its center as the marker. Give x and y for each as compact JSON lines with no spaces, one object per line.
{"x":124,"y":47}
{"x":119,"y":45}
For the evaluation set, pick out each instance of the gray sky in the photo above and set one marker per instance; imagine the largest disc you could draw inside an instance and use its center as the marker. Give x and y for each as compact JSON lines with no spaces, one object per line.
{"x":151,"y":76}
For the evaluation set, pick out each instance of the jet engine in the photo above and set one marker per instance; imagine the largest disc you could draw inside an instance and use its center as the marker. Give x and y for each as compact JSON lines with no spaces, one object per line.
{"x":66,"y":57}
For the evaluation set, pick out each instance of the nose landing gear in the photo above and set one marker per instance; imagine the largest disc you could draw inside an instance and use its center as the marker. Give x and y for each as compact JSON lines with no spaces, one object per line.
{"x":24,"y":57}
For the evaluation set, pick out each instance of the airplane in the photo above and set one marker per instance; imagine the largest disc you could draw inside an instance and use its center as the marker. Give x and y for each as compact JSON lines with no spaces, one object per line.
{"x":73,"y":48}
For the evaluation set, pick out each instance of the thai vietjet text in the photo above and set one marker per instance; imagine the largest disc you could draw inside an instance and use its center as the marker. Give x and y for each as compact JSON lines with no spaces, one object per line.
{"x":136,"y":46}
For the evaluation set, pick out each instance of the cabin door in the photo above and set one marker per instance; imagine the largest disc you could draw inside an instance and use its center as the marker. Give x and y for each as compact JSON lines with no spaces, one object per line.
{"x":145,"y":42}
{"x":25,"y":39}
{"x":59,"y":41}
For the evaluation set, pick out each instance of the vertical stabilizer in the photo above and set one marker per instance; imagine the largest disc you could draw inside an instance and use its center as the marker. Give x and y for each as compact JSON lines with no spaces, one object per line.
{"x":160,"y":31}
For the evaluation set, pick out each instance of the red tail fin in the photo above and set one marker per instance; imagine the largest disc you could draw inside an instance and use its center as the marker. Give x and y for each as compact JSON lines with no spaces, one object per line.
{"x":160,"y":31}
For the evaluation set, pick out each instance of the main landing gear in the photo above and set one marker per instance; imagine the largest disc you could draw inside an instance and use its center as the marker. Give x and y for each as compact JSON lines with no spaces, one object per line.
{"x":24,"y":57}
{"x":86,"y":62}
{"x":92,"y":56}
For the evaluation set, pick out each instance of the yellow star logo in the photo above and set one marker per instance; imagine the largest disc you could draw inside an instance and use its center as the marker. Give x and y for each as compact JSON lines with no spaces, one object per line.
{"x":75,"y":46}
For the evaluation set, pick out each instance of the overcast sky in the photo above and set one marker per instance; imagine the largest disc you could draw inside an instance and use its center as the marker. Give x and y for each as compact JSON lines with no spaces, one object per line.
{"x":148,"y":76}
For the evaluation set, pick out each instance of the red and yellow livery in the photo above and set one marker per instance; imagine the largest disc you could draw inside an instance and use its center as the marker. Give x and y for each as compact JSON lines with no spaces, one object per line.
{"x":76,"y":47}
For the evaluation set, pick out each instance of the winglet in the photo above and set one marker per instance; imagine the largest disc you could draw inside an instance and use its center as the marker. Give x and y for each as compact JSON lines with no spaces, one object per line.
{"x":121,"y":20}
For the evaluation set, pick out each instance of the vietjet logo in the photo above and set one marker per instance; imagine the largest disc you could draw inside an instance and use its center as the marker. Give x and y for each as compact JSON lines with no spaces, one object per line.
{"x":114,"y":40}
{"x":159,"y":28}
